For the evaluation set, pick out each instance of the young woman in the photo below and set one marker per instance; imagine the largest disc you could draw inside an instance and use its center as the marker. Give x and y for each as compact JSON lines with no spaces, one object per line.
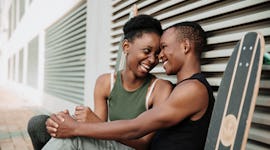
{"x":124,"y":94}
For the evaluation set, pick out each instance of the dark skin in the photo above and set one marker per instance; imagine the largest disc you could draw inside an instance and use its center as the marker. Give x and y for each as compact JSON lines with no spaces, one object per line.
{"x":178,"y":57}
{"x":141,"y":58}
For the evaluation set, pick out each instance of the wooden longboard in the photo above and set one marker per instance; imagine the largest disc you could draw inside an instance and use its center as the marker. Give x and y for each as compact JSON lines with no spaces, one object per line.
{"x":237,"y":94}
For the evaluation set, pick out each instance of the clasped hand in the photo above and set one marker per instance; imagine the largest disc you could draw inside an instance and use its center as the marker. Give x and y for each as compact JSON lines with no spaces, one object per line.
{"x":62,"y":124}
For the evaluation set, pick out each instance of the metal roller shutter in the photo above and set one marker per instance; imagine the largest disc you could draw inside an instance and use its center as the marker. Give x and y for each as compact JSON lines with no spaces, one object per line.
{"x":20,"y":72}
{"x":32,"y":63}
{"x":225,"y":23}
{"x":65,"y":56}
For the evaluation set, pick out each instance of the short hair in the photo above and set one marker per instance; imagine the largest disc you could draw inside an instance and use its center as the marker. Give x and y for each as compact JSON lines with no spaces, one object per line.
{"x":140,"y":24}
{"x":193,"y":32}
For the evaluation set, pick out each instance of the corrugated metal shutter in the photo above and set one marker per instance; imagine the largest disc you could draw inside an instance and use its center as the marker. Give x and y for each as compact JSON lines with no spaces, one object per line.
{"x":20,"y":71}
{"x":65,"y":56}
{"x":22,"y":8}
{"x":32,"y":63}
{"x":225,"y":22}
{"x":9,"y":69}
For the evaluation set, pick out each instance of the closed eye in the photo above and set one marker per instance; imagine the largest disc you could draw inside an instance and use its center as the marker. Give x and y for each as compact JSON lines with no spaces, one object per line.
{"x":163,"y":46}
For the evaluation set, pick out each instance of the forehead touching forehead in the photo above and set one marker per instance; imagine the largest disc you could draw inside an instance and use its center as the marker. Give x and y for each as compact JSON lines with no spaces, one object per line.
{"x":168,"y":35}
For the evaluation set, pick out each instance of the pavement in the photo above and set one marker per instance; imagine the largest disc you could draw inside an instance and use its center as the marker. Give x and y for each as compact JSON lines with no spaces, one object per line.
{"x":15,"y":112}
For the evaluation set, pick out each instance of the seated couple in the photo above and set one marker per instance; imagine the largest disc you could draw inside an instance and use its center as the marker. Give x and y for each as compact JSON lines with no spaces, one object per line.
{"x":144,"y":112}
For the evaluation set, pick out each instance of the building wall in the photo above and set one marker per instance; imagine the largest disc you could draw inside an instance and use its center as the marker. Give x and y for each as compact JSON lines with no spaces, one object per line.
{"x":25,"y":21}
{"x":225,"y":23}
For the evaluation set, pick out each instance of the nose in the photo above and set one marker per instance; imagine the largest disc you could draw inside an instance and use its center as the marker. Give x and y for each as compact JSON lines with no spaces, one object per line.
{"x":152,"y":58}
{"x":160,"y":56}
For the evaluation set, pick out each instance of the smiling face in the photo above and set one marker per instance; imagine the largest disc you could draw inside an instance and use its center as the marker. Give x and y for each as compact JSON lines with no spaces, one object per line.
{"x":172,"y":52}
{"x":142,"y":53}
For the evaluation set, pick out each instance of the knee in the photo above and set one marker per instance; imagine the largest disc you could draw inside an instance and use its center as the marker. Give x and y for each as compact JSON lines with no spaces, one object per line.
{"x":36,"y":123}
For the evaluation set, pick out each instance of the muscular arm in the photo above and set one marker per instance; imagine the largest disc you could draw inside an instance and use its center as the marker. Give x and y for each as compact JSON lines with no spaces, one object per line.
{"x":161,"y":91}
{"x":182,"y":103}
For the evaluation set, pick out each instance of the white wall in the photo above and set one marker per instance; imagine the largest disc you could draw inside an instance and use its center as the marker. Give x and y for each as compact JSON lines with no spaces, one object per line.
{"x":39,"y":15}
{"x":97,"y":44}
{"x":97,"y":54}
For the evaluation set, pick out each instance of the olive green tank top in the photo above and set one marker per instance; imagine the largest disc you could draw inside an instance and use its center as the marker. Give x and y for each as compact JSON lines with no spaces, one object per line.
{"x":125,"y":104}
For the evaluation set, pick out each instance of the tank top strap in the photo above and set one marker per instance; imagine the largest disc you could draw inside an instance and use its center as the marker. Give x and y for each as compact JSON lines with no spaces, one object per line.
{"x":112,"y":81}
{"x":192,"y":77}
{"x":149,"y":92}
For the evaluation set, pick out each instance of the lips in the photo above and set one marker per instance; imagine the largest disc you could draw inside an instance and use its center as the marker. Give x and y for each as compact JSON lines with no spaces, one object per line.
{"x":145,"y":67}
{"x":165,"y":62}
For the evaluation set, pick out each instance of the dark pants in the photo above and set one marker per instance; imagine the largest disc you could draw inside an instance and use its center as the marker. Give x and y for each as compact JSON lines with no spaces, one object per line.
{"x":37,"y":130}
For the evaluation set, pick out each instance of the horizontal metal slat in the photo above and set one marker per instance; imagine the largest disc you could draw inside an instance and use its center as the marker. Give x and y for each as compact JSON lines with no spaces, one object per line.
{"x":115,"y":2}
{"x":183,"y":9}
{"x":162,"y":6}
{"x":67,"y":74}
{"x":235,"y":36}
{"x":66,"y":88}
{"x":67,"y":50}
{"x":265,"y":84}
{"x":66,"y":60}
{"x":66,"y":84}
{"x":63,"y":27}
{"x":123,"y":5}
{"x":66,"y":69}
{"x":127,"y":11}
{"x":251,"y":145}
{"x":65,"y":65}
{"x":214,"y":67}
{"x":261,"y":118}
{"x":209,"y":13}
{"x":73,"y":36}
{"x":115,"y":40}
{"x":66,"y":55}
{"x":64,"y":78}
{"x":68,"y":19}
{"x":230,"y":22}
{"x":61,"y":35}
{"x":119,"y":24}
{"x":217,"y":53}
{"x":258,"y":134}
{"x":66,"y":46}
{"x":263,"y":100}
{"x":77,"y":98}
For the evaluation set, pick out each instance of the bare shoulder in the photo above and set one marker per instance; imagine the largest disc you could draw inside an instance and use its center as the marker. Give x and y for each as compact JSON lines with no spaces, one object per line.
{"x":191,"y":93}
{"x":190,"y":86}
{"x":103,"y":79}
{"x":103,"y":83}
{"x":163,"y":83}
{"x":162,"y":90}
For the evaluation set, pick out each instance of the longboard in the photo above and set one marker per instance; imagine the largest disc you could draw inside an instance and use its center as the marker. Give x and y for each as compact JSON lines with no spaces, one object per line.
{"x":237,"y":94}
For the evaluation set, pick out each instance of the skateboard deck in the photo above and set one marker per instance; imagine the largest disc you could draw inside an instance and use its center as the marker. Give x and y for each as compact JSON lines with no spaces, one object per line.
{"x":235,"y":102}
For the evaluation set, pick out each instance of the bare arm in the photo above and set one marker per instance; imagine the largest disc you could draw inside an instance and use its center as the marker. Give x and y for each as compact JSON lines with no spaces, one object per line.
{"x":160,"y":93}
{"x":179,"y":105}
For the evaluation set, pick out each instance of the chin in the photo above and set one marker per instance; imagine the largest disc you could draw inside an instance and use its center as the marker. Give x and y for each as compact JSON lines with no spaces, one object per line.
{"x":168,"y":72}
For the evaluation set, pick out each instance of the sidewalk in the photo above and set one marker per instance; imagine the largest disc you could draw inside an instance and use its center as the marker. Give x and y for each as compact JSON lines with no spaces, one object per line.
{"x":15,"y":113}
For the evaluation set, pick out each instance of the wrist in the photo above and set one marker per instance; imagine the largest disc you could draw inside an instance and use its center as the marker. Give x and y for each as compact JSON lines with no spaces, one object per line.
{"x":76,"y":131}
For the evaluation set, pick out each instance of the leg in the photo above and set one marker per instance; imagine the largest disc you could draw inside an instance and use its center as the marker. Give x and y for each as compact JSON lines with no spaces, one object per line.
{"x":82,"y":143}
{"x":37,"y":130}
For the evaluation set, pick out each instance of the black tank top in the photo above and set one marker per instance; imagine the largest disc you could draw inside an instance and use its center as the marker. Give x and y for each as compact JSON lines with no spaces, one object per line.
{"x":187,"y":134}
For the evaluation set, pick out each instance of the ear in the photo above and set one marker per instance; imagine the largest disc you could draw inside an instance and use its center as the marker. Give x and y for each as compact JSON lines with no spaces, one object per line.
{"x":125,"y":46}
{"x":187,"y":45}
